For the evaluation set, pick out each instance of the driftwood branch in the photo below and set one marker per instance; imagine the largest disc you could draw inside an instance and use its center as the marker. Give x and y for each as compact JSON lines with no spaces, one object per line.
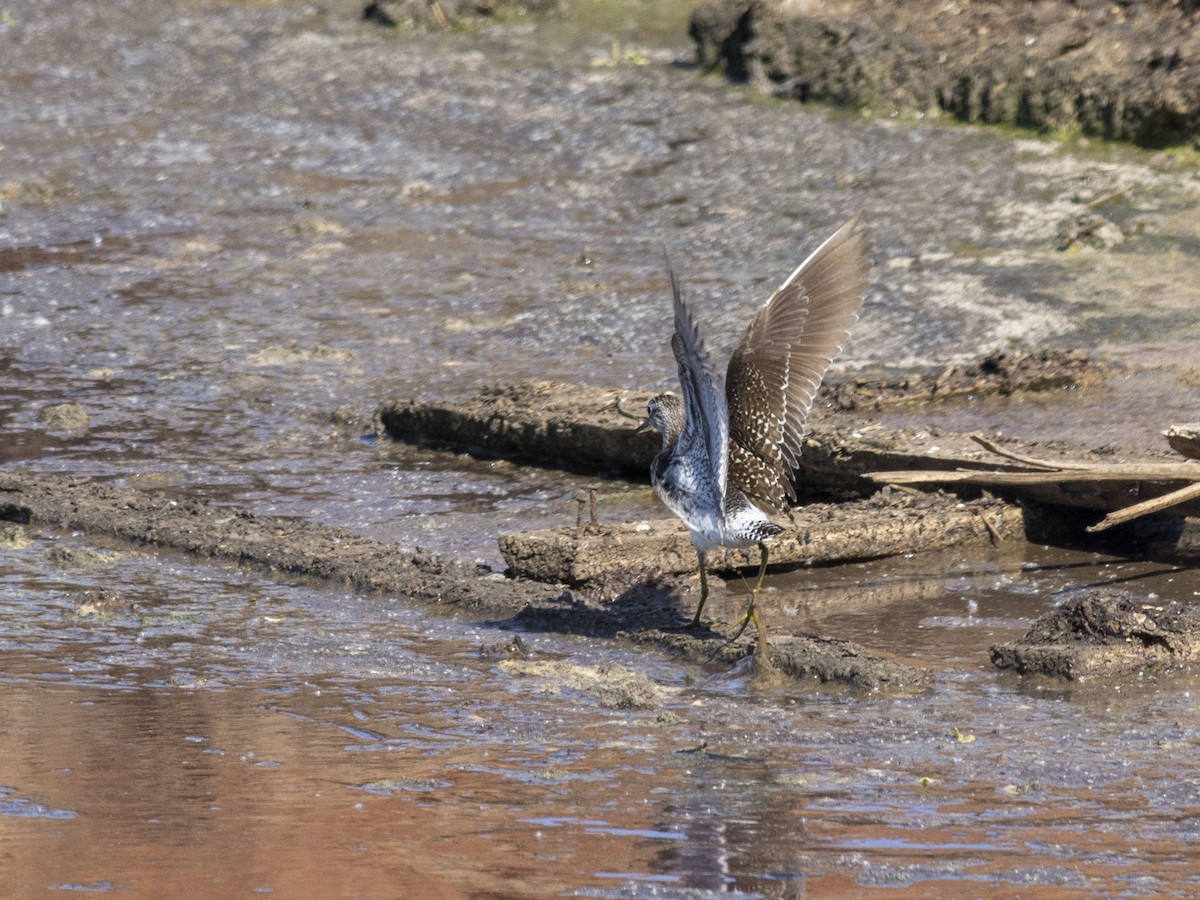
{"x":1147,"y":507}
{"x":1062,"y":476}
{"x":992,"y":447}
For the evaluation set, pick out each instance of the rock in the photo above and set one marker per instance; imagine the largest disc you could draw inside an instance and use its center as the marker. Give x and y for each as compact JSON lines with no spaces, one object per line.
{"x":1105,"y":632}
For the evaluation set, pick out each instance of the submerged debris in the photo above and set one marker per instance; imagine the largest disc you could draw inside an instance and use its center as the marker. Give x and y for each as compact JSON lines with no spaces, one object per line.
{"x":1104,"y":632}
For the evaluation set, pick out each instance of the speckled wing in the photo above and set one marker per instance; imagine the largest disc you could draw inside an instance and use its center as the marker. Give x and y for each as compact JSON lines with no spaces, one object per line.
{"x":777,"y":367}
{"x":707,"y":424}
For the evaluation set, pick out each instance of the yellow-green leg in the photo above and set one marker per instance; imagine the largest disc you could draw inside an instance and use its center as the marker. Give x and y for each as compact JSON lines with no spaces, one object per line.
{"x":703,"y":591}
{"x":751,"y":615}
{"x":762,"y":653}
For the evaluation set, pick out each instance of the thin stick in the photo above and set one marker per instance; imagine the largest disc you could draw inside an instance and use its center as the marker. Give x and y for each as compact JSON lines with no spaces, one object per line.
{"x":1025,"y":460}
{"x":1119,"y":192}
{"x":991,"y":529}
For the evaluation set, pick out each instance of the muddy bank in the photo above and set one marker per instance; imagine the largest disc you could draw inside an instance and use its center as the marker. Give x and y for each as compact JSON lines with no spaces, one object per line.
{"x":1105,"y":633}
{"x":297,"y":547}
{"x":1124,"y":71}
{"x":594,"y":429}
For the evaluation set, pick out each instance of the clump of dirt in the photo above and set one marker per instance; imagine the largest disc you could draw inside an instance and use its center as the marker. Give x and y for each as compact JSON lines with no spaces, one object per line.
{"x":1105,"y":632}
{"x":1185,"y":439}
{"x":1125,"y":71}
{"x":13,"y":536}
{"x":102,"y":604}
{"x":613,"y":687}
{"x":70,"y":418}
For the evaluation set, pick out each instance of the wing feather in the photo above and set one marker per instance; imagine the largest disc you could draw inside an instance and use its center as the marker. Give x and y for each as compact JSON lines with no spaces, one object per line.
{"x":703,"y":394}
{"x":778,"y":365}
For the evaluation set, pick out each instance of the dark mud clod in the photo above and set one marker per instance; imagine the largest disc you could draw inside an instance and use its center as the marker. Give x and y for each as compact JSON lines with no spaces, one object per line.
{"x":1104,"y":632}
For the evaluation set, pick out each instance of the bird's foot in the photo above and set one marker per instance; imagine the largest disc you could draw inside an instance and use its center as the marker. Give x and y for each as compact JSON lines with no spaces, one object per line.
{"x":763,"y":666}
{"x":694,"y":625}
{"x":761,"y":662}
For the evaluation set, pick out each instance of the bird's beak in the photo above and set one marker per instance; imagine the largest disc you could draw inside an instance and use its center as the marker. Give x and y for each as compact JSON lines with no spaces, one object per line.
{"x":644,"y":427}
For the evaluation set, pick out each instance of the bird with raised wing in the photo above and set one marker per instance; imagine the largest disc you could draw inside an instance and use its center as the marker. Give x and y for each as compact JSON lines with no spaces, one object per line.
{"x":730,"y":446}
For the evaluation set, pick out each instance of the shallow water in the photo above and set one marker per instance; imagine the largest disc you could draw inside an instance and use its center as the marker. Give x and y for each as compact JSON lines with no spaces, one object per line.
{"x":219,"y":733}
{"x":229,"y":231}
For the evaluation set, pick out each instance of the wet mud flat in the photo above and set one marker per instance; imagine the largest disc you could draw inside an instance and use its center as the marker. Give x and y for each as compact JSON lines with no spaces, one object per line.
{"x":579,"y":426}
{"x":624,"y":580}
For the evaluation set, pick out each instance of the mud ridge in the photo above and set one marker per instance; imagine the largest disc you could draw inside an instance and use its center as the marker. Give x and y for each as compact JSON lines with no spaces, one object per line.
{"x":299,"y":548}
{"x":886,"y":524}
{"x":594,"y":430}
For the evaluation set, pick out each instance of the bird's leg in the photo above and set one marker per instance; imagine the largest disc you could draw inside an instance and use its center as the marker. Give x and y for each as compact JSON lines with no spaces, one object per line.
{"x":762,"y":653}
{"x":762,"y":572}
{"x":703,"y":591}
{"x":592,"y":507}
{"x":579,"y":505}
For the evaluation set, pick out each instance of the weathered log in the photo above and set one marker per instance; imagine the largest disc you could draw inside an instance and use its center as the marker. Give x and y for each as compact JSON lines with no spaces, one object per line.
{"x":594,"y":429}
{"x":1173,"y":500}
{"x":571,"y":426}
{"x":822,"y":533}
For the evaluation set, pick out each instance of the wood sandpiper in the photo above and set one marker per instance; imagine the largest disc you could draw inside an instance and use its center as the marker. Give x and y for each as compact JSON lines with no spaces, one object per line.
{"x":730,"y":446}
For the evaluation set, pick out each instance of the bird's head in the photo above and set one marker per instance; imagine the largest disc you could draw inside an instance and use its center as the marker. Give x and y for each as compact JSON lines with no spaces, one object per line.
{"x":665,"y":415}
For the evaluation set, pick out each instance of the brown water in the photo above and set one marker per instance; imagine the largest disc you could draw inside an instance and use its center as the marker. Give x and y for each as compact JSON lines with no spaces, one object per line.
{"x":221,"y":222}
